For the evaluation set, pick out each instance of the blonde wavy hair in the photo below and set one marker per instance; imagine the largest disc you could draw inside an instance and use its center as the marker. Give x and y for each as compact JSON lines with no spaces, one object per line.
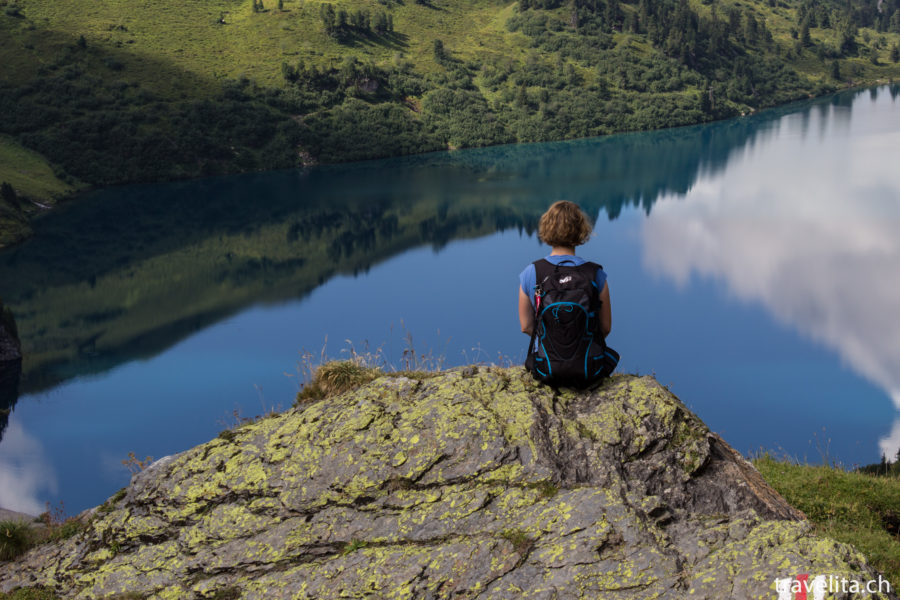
{"x":564,"y":224}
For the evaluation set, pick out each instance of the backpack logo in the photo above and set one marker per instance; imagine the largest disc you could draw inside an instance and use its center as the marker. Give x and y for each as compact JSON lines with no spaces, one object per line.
{"x":566,"y":279}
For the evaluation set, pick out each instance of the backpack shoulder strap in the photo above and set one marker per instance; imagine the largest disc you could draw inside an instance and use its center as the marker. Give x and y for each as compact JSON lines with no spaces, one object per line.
{"x":542,"y":270}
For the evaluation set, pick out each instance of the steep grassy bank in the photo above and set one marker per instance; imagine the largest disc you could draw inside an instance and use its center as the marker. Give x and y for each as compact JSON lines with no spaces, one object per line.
{"x":851,"y":507}
{"x":25,"y":179}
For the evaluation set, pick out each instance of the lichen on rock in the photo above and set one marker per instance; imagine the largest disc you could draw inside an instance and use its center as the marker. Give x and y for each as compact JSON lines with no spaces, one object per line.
{"x":476,"y":482}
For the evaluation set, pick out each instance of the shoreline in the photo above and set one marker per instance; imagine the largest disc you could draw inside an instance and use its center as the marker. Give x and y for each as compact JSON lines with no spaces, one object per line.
{"x":24,"y":231}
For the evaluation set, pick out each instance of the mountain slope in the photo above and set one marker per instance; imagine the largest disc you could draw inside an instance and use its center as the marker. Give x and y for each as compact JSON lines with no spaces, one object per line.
{"x":112,"y":91}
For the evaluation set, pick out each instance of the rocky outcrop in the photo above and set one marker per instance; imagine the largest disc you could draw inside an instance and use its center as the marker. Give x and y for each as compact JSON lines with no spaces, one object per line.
{"x":476,"y":482}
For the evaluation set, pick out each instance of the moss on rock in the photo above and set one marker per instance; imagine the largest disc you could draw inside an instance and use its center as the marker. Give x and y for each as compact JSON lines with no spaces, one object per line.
{"x":473,"y":482}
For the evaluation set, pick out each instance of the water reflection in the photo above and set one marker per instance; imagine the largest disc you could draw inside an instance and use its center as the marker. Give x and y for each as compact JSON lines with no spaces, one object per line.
{"x":128,"y":272}
{"x":26,"y":475}
{"x":794,"y":210}
{"x":819,"y":251}
{"x":10,"y":372}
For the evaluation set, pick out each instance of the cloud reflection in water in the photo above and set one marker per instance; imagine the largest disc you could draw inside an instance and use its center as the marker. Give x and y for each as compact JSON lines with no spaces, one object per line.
{"x":25,"y":473}
{"x":808,"y":230}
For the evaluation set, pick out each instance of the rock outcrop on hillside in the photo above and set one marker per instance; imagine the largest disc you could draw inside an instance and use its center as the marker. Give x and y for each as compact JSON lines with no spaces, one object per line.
{"x":476,"y":482}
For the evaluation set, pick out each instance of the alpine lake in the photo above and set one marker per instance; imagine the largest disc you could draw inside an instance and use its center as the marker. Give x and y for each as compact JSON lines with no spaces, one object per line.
{"x":753,"y":264}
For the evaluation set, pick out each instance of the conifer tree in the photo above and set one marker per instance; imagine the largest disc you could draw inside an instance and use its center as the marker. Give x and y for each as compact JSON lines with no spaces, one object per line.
{"x":328,"y":18}
{"x":805,"y":37}
{"x":439,"y":53}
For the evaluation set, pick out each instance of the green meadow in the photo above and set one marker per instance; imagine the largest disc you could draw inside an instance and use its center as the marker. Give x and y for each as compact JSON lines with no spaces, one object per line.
{"x":113,"y":92}
{"x":853,"y":507}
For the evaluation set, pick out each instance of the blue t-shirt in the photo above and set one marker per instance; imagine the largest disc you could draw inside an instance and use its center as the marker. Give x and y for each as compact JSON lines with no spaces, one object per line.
{"x":528,"y":277}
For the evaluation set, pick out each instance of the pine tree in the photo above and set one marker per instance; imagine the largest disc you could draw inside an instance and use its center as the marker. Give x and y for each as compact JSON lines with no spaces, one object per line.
{"x":705,"y":102}
{"x":848,"y":40}
{"x":328,"y":18}
{"x":439,"y":53}
{"x":835,"y":70}
{"x":895,"y":53}
{"x":805,"y":37}
{"x":381,"y":23}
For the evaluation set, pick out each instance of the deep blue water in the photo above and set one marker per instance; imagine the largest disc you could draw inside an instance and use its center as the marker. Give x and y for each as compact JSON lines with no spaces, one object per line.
{"x":754,"y":266}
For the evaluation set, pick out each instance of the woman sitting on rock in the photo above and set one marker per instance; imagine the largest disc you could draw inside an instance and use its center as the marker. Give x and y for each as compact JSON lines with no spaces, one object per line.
{"x":564,"y":305}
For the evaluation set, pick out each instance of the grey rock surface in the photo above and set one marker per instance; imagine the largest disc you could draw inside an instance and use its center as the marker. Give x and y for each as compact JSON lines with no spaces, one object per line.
{"x":474,"y":483}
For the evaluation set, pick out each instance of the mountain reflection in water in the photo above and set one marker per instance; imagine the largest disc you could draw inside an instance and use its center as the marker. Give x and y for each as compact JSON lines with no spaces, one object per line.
{"x":125,"y":273}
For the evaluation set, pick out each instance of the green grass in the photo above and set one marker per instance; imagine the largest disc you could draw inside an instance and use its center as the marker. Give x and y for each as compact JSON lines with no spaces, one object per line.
{"x":35,"y":183}
{"x":30,"y":174}
{"x":519,"y":539}
{"x":16,"y":537}
{"x":154,"y":39}
{"x":35,"y":593}
{"x":353,"y":546}
{"x":855,"y":508}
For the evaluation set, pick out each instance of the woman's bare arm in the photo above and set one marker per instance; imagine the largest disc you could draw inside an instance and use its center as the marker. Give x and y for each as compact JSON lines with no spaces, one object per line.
{"x":526,"y":313}
{"x":605,"y":311}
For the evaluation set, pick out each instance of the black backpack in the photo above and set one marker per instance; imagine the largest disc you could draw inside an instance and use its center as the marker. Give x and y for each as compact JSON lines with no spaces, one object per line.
{"x":567,"y":345}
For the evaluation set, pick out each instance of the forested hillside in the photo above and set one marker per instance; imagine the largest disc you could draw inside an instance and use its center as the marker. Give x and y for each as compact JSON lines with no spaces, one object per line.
{"x":105,"y":92}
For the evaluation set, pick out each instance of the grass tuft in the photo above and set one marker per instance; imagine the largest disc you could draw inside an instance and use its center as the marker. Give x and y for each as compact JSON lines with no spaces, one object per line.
{"x":16,"y":538}
{"x":336,"y":377}
{"x":353,"y":547}
{"x":545,"y":487}
{"x":520,"y":540}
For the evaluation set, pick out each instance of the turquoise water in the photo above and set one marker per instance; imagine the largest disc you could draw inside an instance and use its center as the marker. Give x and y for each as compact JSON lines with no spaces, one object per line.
{"x":753,"y":267}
